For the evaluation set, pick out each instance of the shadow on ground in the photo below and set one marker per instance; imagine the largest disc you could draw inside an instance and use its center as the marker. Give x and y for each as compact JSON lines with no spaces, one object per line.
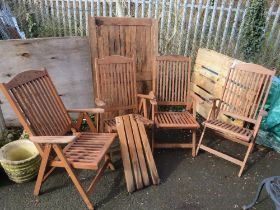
{"x":205,"y":182}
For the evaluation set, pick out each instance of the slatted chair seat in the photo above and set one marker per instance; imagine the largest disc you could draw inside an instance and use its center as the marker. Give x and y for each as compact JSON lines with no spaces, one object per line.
{"x":243,"y":134}
{"x":110,"y":125}
{"x":175,"y":119}
{"x":88,"y":151}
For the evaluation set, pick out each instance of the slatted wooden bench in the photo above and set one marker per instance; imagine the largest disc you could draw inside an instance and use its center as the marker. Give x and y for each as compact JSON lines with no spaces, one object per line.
{"x":137,"y":157}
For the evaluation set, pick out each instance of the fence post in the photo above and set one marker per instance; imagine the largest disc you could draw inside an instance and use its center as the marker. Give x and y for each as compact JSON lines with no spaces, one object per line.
{"x":241,"y":27}
{"x":235,"y":22}
{"x":75,"y":17}
{"x":162,"y":23}
{"x":63,"y":17}
{"x":212,"y":23}
{"x":227,"y":25}
{"x":182,"y":26}
{"x":143,"y":8}
{"x":58,"y":17}
{"x":189,"y":28}
{"x":86,"y":14}
{"x":150,"y":9}
{"x":197,"y":25}
{"x":136,"y":8}
{"x":275,"y":23}
{"x":205,"y":22}
{"x":269,"y":15}
{"x":219,"y":24}
{"x":156,"y":9}
{"x":171,"y":3}
{"x":69,"y":17}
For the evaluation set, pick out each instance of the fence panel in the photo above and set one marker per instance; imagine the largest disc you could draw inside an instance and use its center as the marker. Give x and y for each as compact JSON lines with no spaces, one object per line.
{"x":185,"y":25}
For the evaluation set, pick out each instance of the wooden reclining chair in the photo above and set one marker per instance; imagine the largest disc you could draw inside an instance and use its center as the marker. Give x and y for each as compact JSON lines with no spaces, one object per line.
{"x":116,"y":91}
{"x":244,"y":96}
{"x":41,"y":112}
{"x":171,"y":85}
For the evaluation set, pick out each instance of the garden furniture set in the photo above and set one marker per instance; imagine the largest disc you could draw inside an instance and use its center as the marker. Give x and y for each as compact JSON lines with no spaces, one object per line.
{"x":123,"y":114}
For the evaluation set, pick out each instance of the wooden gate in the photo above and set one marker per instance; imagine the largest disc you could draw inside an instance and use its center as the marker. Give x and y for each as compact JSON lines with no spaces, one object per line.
{"x":131,"y":37}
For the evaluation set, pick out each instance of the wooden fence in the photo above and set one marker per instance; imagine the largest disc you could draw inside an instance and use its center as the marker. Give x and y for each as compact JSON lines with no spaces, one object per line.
{"x":185,"y":25}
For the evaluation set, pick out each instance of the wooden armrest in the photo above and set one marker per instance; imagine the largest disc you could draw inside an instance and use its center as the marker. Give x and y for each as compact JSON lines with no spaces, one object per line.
{"x":99,"y":102}
{"x":150,"y":96}
{"x":89,"y":110}
{"x":53,"y":139}
{"x":153,"y":102}
{"x":263,"y":113}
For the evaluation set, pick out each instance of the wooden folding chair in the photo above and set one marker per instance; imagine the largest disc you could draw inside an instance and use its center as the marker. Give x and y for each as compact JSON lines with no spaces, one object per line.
{"x":244,"y":96}
{"x":171,"y":85}
{"x":41,"y":112}
{"x":116,"y":91}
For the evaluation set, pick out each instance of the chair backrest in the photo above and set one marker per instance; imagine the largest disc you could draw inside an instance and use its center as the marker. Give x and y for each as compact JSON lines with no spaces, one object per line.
{"x":171,"y":80}
{"x":37,"y":104}
{"x":246,"y":91}
{"x":116,"y":82}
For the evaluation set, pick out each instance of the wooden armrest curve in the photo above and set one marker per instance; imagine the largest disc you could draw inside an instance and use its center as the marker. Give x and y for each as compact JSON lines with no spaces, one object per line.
{"x":150,"y":96}
{"x":53,"y":139}
{"x":89,"y":110}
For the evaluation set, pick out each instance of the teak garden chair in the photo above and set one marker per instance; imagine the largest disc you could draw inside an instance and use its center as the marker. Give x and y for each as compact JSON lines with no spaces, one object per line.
{"x":41,"y":112}
{"x":116,"y":91}
{"x":171,"y":85}
{"x":244,"y":96}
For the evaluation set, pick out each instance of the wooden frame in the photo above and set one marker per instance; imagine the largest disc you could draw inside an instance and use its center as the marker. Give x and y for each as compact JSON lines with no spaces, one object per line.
{"x":171,"y":85}
{"x":138,"y":162}
{"x":130,"y":37}
{"x":43,"y":115}
{"x":116,"y":90}
{"x":244,"y":96}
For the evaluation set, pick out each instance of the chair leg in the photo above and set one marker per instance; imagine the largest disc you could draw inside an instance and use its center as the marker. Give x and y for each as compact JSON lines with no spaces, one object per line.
{"x":40,"y":177}
{"x":200,"y":140}
{"x":193,"y":142}
{"x":48,"y":173}
{"x":245,"y":207}
{"x":153,"y":138}
{"x":72,"y":175}
{"x":245,"y":159}
{"x":99,"y":173}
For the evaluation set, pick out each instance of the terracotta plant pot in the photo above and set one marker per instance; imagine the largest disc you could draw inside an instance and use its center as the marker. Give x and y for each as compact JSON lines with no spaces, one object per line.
{"x":20,"y":160}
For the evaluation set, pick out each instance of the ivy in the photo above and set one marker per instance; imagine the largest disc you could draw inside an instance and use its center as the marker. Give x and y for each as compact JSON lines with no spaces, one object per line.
{"x":253,"y":30}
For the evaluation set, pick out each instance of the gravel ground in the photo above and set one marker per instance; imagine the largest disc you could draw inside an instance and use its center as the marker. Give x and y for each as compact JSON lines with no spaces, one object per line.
{"x":206,"y":182}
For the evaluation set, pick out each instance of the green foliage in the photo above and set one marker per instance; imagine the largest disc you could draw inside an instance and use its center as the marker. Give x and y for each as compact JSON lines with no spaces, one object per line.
{"x":31,"y":25}
{"x":253,"y":30}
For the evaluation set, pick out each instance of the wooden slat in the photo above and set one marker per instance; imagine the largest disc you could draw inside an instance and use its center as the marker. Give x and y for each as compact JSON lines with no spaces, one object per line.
{"x":137,"y":157}
{"x":133,"y":152}
{"x":148,"y":153}
{"x":222,"y":155}
{"x":175,"y":120}
{"x":140,"y":152}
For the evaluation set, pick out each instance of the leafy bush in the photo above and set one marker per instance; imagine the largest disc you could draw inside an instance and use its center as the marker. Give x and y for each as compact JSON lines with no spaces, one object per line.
{"x":253,"y":30}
